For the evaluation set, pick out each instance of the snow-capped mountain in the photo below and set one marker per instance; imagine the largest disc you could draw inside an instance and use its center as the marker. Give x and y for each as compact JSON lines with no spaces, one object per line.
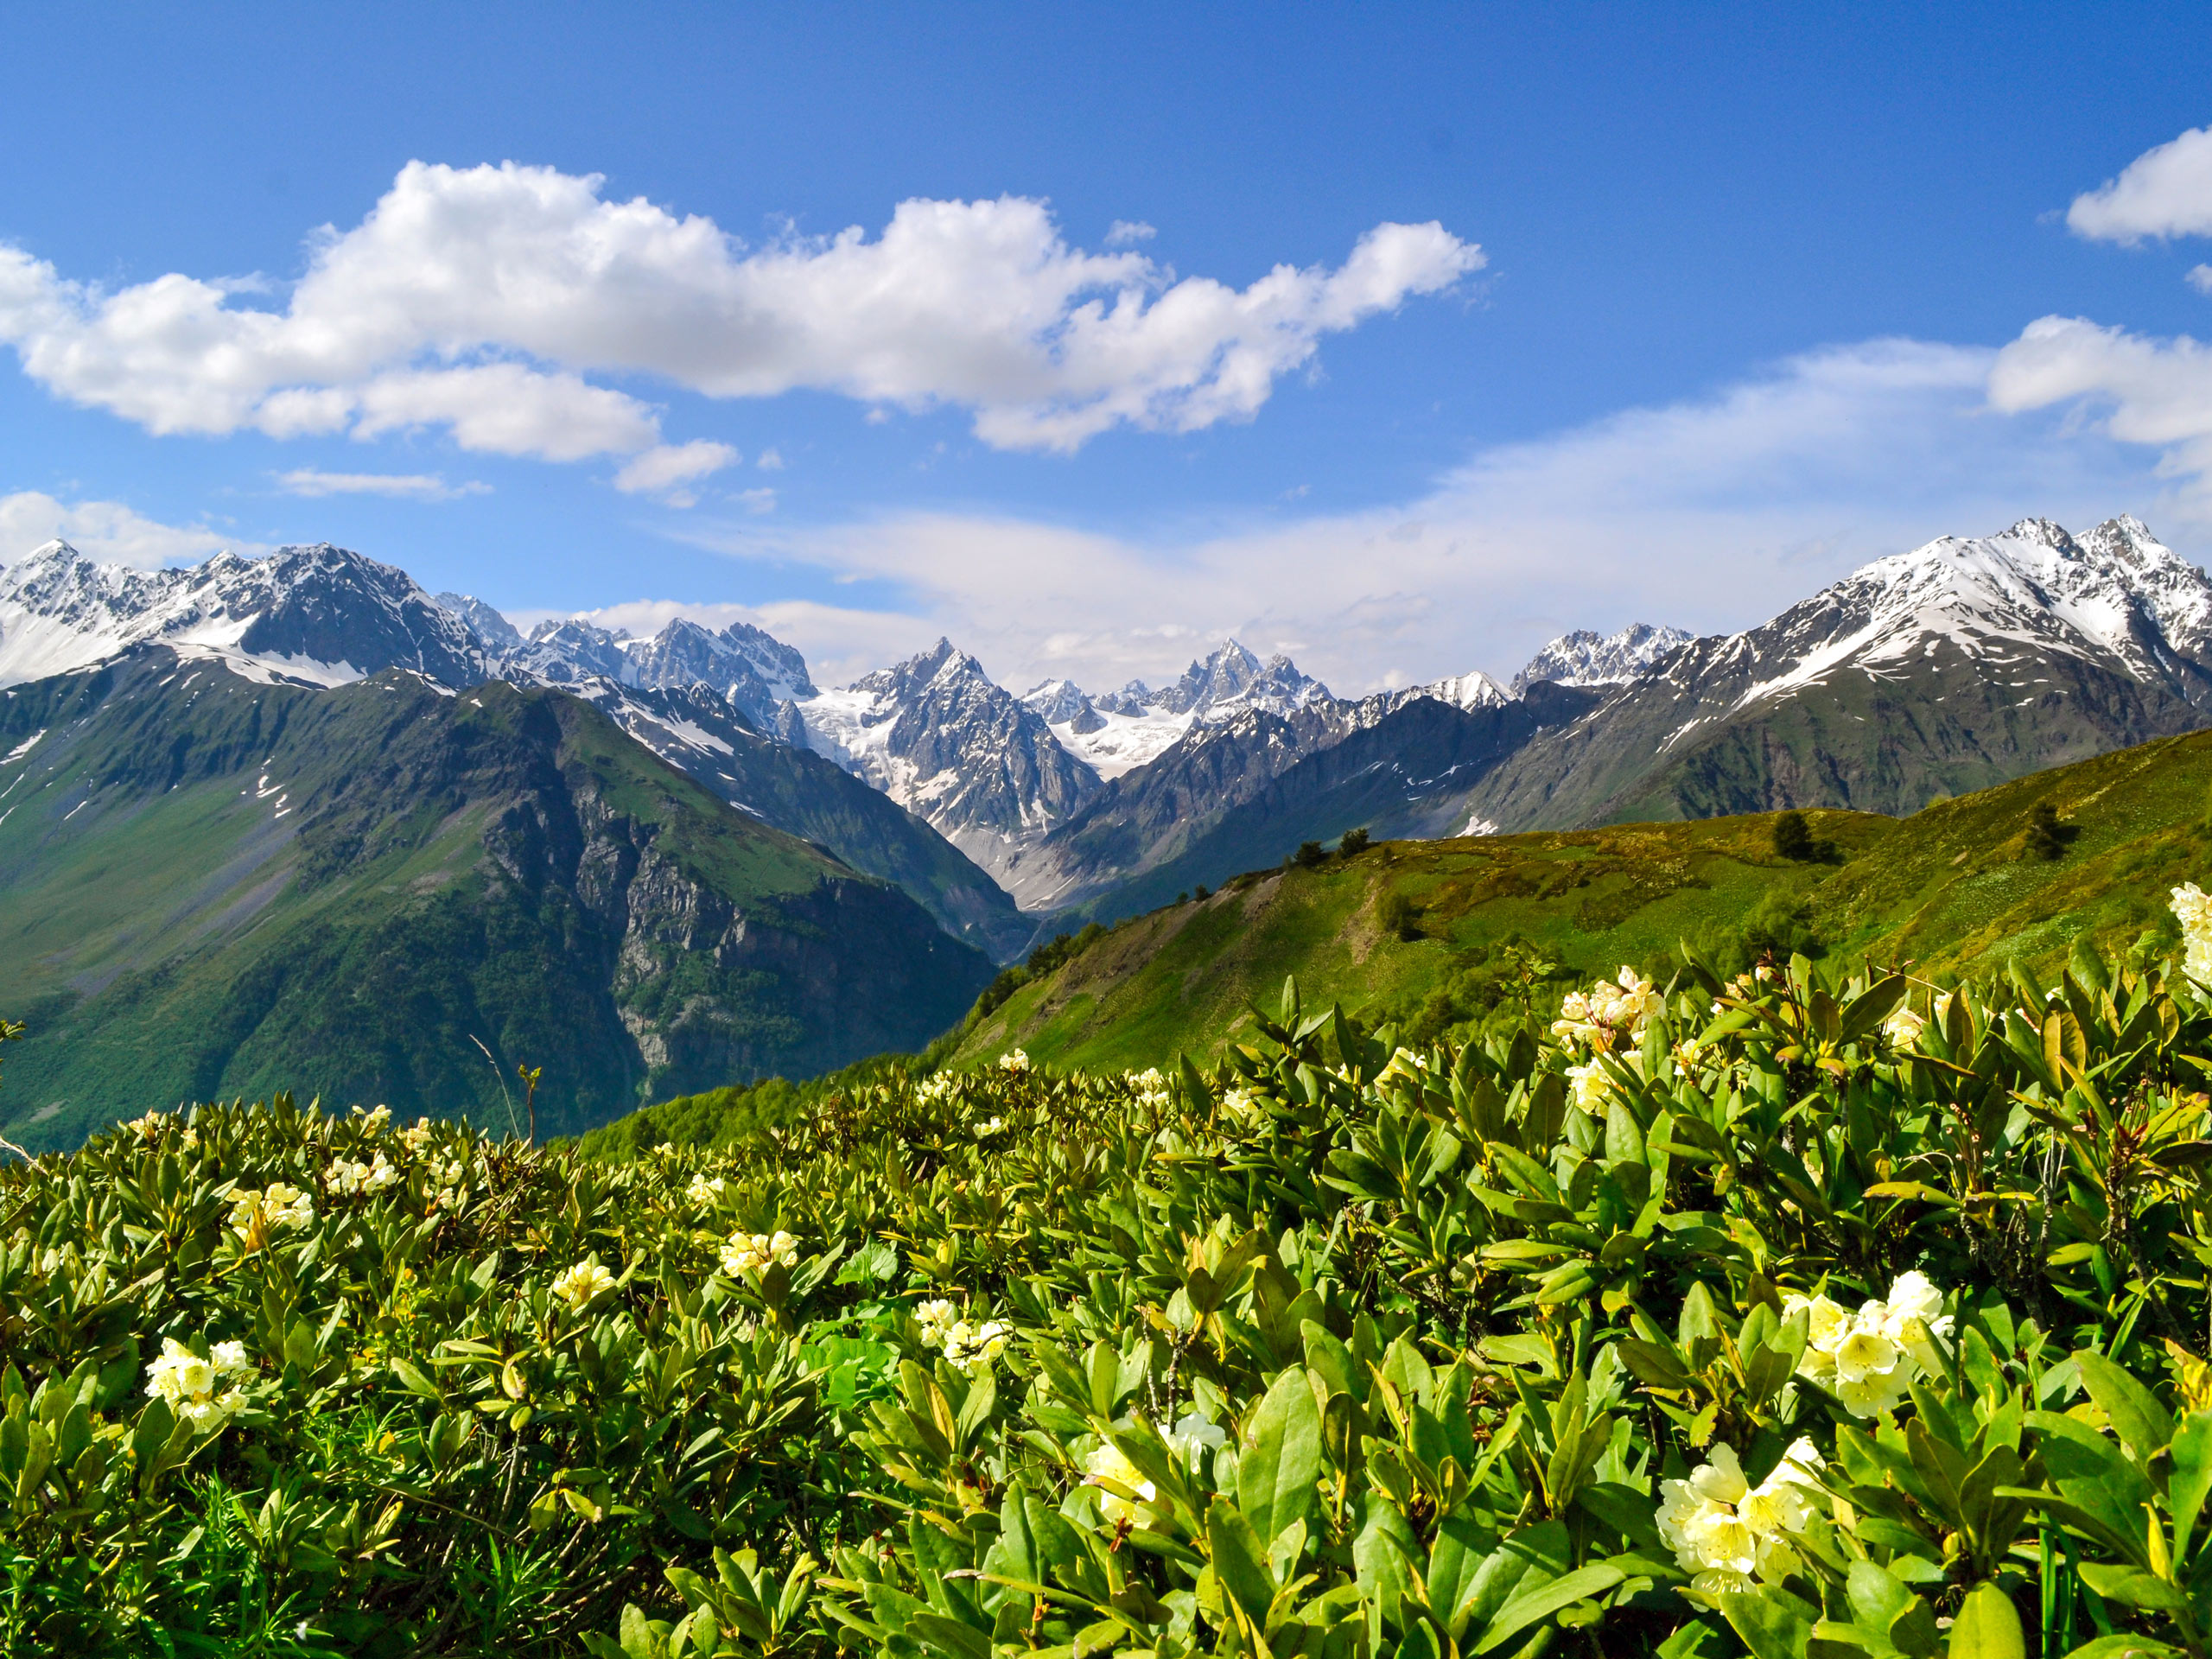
{"x":1585,"y":658}
{"x":753,"y":672}
{"x":938,"y":736}
{"x":1960,"y":664}
{"x":492,"y":627}
{"x":1125,"y":729}
{"x":315,"y":615}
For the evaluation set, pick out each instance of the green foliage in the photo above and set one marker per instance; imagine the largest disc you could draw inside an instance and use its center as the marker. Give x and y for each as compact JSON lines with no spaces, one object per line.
{"x":1339,"y":1346}
{"x":1311,"y":854}
{"x":2046,"y":837}
{"x":1793,"y":836}
{"x":1351,"y":844}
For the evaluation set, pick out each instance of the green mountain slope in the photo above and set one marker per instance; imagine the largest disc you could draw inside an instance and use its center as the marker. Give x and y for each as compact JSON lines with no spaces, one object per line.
{"x":210,"y":886}
{"x":1518,"y":917}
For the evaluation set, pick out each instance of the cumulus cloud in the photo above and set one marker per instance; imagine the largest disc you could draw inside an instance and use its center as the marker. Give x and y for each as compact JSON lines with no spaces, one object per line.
{"x":1124,"y":232}
{"x":2150,"y":392}
{"x":107,"y":531}
{"x":1712,"y":513}
{"x":478,"y":299}
{"x":666,"y":471}
{"x":2165,"y":192}
{"x":406,"y":487}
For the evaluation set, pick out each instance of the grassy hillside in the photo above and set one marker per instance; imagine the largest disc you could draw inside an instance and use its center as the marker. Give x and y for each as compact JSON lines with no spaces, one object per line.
{"x":211,"y":887}
{"x":1508,"y":917}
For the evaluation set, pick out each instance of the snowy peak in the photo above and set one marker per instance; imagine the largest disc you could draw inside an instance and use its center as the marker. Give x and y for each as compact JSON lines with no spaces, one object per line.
{"x":1587,"y":658}
{"x":492,"y":627}
{"x":1233,"y":679}
{"x":753,"y":672}
{"x":318,"y":615}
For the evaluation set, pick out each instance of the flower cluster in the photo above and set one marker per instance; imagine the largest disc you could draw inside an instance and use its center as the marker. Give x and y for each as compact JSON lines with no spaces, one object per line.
{"x":1593,"y":1017}
{"x":188,"y":1384}
{"x":1869,"y":1359}
{"x":935,"y":1087}
{"x":1717,"y":1524}
{"x":2192,"y":908}
{"x":417,"y":1137}
{"x":1586,"y":1086}
{"x":258,"y":1212}
{"x":376,"y":1119}
{"x":1013,"y":1060}
{"x":989,"y":1128}
{"x":580,"y":1283}
{"x":1107,"y":1470}
{"x":756,"y":1252}
{"x":967,"y":1347}
{"x":1151,"y":1090}
{"x":706,"y":1190}
{"x":351,"y":1176}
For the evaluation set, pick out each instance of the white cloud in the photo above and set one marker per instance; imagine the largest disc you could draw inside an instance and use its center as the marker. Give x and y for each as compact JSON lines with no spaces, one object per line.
{"x":1124,"y":232}
{"x":2199,"y":277}
{"x":770,"y":459}
{"x":406,"y":486}
{"x":666,"y":470}
{"x":2165,"y":192}
{"x":107,"y":531}
{"x":2152,"y":391}
{"x":757,"y":500}
{"x":478,"y":298}
{"x":1712,"y":513}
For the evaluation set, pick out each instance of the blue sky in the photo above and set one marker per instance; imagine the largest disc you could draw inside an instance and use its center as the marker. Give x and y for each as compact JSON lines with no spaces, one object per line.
{"x":1749,"y":307}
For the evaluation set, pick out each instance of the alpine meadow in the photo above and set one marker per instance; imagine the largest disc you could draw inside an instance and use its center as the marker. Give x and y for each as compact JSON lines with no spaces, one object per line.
{"x":1156,"y":833}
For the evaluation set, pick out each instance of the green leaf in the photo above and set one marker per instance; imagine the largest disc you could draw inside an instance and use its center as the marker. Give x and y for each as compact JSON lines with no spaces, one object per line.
{"x":942,"y":1634}
{"x":2192,"y":1477}
{"x":1987,"y":1627}
{"x":1239,"y":1559}
{"x":1277,"y":1472}
{"x":2141,"y":1421}
{"x":1773,"y":1624}
{"x":1545,"y":1599}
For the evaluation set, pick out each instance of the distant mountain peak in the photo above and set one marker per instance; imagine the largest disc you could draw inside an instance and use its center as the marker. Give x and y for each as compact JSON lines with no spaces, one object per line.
{"x":1587,"y":658}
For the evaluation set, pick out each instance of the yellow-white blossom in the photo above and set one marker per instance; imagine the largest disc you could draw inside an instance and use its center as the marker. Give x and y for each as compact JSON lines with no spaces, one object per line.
{"x":586,"y":1279}
{"x":1193,"y":1437}
{"x":192,"y":1386}
{"x":1586,"y":1086}
{"x":2192,"y":908}
{"x":705,"y":1190}
{"x":1593,"y":1017}
{"x":755,"y":1253}
{"x":258,"y":1212}
{"x":1108,"y":1465}
{"x":1013,"y":1060}
{"x":351,"y":1176}
{"x":376,"y":1119}
{"x":1869,"y":1359}
{"x":1723,"y":1530}
{"x":1151,"y":1090}
{"x":989,"y":1128}
{"x":418,"y":1137}
{"x":1904,"y":1026}
{"x":937,"y":1317}
{"x":972,"y":1348}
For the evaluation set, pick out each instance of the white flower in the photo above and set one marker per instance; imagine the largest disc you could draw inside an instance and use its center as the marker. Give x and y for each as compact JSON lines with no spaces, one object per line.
{"x":149,"y":1126}
{"x":1903,"y":1028}
{"x":581,"y":1282}
{"x":1013,"y":1060}
{"x":984,"y":1131}
{"x":354,"y":1176}
{"x":1107,"y":1464}
{"x":189,"y":1384}
{"x":705,"y":1191}
{"x":1193,"y":1437}
{"x":256,"y":1213}
{"x":1592,"y":1018}
{"x":417,"y":1137}
{"x":1717,"y":1524}
{"x":376,"y":1119}
{"x":1586,"y":1086}
{"x":935,"y":1316}
{"x":972,"y":1348}
{"x":1151,"y":1089}
{"x":2192,"y":908}
{"x":1871,"y":1358}
{"x":755,"y":1253}
{"x":1241,"y":1104}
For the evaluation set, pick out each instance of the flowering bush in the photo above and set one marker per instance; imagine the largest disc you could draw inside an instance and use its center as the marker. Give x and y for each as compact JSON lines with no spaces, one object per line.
{"x":1606,"y":1012}
{"x":2192,"y":908}
{"x":1736,"y":1320}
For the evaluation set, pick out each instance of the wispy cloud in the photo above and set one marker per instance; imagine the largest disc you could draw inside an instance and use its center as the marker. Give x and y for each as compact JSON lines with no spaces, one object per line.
{"x":108,"y":530}
{"x":406,"y":487}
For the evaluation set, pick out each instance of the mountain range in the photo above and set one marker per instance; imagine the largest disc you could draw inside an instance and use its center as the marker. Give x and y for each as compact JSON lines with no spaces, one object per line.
{"x":1004,"y":816}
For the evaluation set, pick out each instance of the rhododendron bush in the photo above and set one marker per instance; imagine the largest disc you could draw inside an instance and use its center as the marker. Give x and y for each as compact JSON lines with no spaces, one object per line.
{"x":1801,"y":1314}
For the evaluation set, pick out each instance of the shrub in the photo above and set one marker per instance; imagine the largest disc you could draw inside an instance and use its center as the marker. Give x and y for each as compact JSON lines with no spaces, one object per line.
{"x":1310,"y":856}
{"x":1352,"y":843}
{"x":1793,"y":837}
{"x":2046,"y":837}
{"x":1400,"y":916}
